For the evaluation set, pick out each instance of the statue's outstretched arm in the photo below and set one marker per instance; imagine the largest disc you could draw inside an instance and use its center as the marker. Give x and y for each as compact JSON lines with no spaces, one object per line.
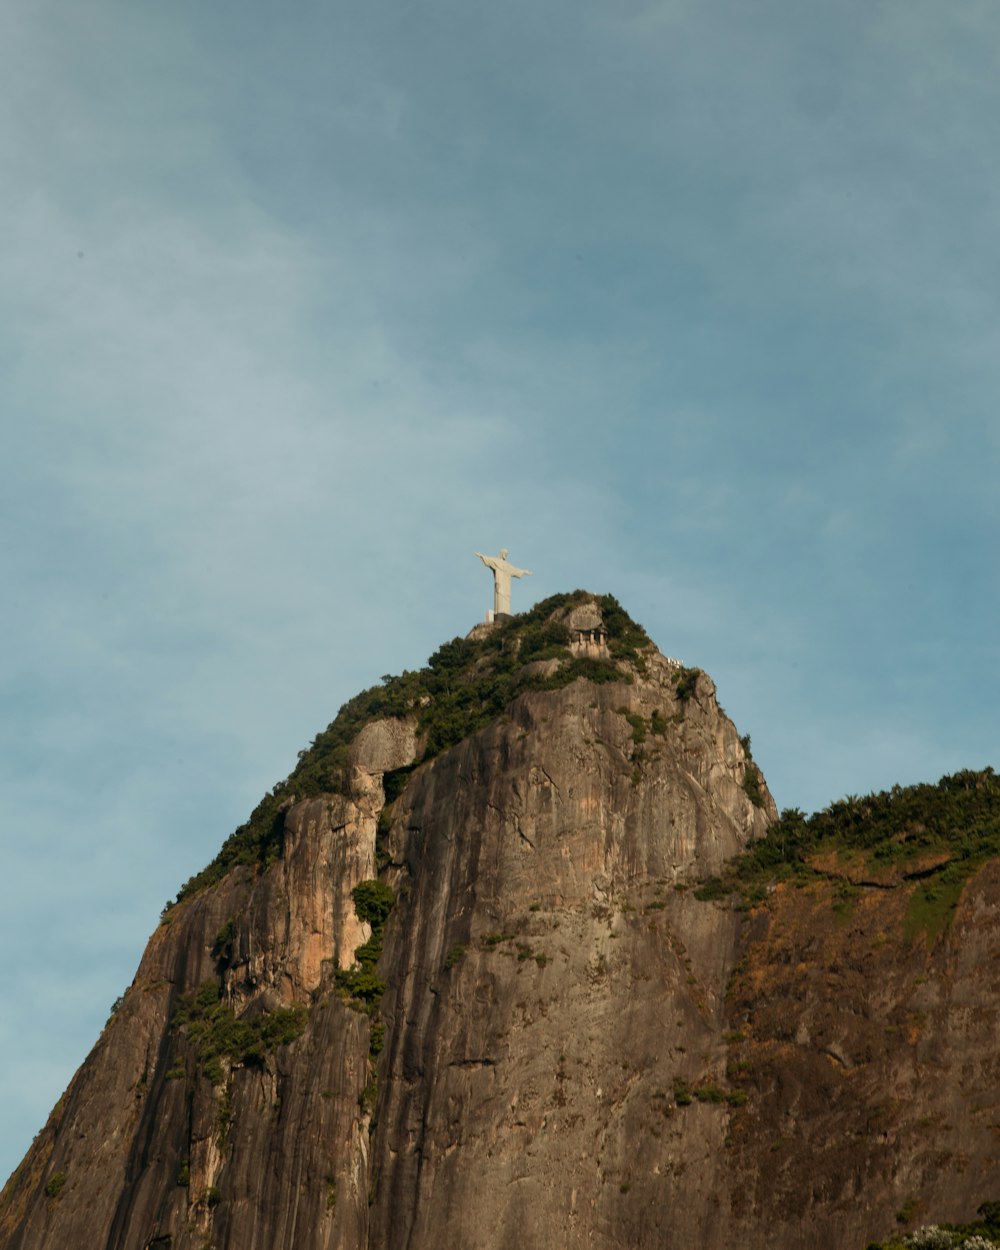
{"x":520,"y":572}
{"x":487,"y":560}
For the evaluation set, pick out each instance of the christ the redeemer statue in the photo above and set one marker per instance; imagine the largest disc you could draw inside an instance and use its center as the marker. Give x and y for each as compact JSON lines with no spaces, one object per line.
{"x":502,"y":573}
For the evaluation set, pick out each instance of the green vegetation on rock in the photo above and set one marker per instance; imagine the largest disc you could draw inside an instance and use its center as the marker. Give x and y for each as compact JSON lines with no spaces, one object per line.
{"x":981,"y":1234}
{"x":686,"y":681}
{"x":362,"y":986}
{"x":931,"y":836}
{"x":373,"y":900}
{"x":454,"y":955}
{"x":215,"y":1032}
{"x":465,"y":686}
{"x":751,"y":785}
{"x":638,"y":724}
{"x":53,"y":1186}
{"x":751,"y":776}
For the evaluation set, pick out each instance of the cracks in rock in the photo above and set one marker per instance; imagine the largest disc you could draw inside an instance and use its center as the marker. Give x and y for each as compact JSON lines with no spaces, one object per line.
{"x":504,"y":816}
{"x":918,"y":874}
{"x":548,"y":778}
{"x":483,"y":1062}
{"x":868,"y":883}
{"x":823,"y":874}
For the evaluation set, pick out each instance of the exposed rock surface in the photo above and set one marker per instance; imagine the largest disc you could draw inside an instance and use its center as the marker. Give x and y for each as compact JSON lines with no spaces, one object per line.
{"x":526,"y":1086}
{"x":872,"y":1066}
{"x":561,"y":1064}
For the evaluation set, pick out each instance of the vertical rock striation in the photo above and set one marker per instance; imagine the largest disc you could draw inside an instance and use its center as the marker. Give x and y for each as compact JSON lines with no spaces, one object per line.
{"x":549,"y":983}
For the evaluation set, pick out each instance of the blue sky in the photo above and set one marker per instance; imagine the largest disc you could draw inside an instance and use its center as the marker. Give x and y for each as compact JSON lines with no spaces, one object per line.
{"x":693,"y":302}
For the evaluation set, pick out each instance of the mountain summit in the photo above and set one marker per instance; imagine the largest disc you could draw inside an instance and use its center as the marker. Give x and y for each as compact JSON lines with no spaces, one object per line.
{"x":459,"y":980}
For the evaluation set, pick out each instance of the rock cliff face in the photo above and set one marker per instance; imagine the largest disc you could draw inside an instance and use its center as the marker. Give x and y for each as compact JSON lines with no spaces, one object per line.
{"x":547,"y":1053}
{"x":871,"y":1063}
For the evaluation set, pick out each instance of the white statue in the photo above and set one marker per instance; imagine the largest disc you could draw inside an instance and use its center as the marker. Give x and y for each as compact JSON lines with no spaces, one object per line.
{"x":502,"y":573}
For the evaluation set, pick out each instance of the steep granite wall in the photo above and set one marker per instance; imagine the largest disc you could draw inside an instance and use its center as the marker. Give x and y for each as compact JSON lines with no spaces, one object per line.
{"x":548,"y":982}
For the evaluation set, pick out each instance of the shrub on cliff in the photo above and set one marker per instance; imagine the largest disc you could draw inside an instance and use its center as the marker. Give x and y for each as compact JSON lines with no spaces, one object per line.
{"x":54,"y":1185}
{"x":214,"y":1030}
{"x":937,"y":1237}
{"x":938,"y":834}
{"x":373,"y":900}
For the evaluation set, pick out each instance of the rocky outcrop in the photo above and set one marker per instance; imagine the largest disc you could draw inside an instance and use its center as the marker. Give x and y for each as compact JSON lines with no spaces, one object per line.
{"x":571,"y":1049}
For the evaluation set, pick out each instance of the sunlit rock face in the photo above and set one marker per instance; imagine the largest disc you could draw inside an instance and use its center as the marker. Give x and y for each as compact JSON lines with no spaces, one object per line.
{"x":564,"y":1047}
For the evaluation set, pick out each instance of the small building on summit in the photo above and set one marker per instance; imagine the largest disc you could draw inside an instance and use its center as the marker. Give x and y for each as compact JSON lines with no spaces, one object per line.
{"x":591,"y":642}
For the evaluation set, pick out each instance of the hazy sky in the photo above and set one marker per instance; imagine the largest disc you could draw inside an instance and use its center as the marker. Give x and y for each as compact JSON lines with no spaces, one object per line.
{"x":693,"y":301}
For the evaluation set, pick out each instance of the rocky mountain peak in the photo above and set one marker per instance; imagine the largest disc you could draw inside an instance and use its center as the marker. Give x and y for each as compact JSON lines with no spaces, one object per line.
{"x":459,"y":978}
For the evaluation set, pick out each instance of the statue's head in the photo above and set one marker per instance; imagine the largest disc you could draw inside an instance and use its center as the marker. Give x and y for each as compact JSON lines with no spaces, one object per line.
{"x":503,"y":553}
